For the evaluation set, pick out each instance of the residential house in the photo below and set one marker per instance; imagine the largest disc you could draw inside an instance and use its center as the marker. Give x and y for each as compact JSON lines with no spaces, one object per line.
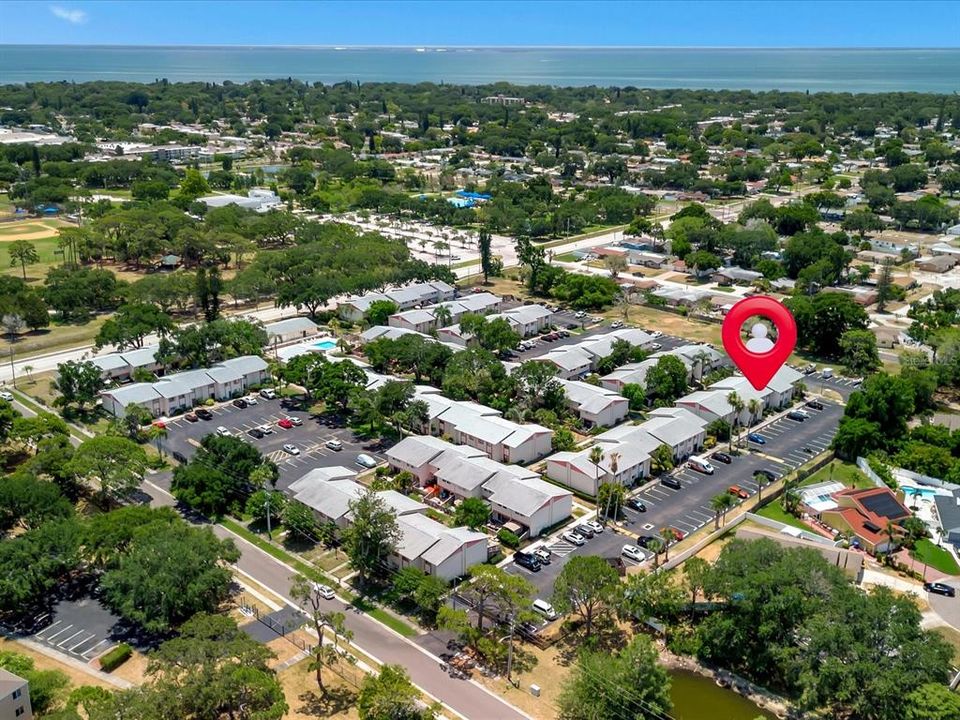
{"x":120,"y":366}
{"x":677,"y":428}
{"x":865,"y":513}
{"x":353,"y":308}
{"x":937,"y":263}
{"x":596,"y":406}
{"x":297,"y":328}
{"x":571,"y":362}
{"x":736,"y":276}
{"x":14,"y":697}
{"x":423,"y":320}
{"x":418,"y":455}
{"x":626,"y":459}
{"x":529,"y":501}
{"x":330,"y":500}
{"x":948,"y":512}
{"x":446,"y":553}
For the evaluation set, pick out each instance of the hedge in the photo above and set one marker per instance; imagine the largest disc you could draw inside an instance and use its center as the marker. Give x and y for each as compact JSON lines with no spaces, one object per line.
{"x":115,"y":658}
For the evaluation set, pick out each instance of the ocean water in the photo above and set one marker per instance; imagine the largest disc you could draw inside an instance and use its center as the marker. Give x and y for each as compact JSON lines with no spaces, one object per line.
{"x":851,"y":70}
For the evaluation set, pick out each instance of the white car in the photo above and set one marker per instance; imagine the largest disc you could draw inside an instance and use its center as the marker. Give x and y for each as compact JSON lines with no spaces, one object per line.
{"x":616,"y":324}
{"x":366,"y":461}
{"x":655,"y":346}
{"x":334,"y":444}
{"x":594,"y":525}
{"x":572,"y":537}
{"x":267,"y":429}
{"x":4,"y":395}
{"x":223,"y":432}
{"x":324,"y":591}
{"x":633,"y":552}
{"x":802,"y":412}
{"x":251,"y":400}
{"x":291,"y":449}
{"x":268,"y":394}
{"x":655,"y":333}
{"x":295,"y":420}
{"x":580,"y":314}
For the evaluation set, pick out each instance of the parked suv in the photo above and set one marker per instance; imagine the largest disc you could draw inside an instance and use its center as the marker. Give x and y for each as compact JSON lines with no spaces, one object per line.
{"x":527,"y":560}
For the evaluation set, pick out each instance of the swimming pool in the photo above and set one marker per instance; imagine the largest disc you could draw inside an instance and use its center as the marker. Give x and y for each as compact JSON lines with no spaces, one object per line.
{"x":912,"y":490}
{"x":325,"y":344}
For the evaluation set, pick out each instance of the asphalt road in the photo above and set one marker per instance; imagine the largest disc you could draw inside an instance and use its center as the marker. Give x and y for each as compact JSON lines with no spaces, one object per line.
{"x":947,"y":608}
{"x":310,"y":438}
{"x":688,"y":509}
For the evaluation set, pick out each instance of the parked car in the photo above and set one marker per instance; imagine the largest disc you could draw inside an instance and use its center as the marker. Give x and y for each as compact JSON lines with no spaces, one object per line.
{"x":616,"y":324}
{"x":266,"y":429}
{"x":240,"y":403}
{"x":809,"y":369}
{"x":571,"y":537}
{"x":670,"y":482}
{"x":939,"y":588}
{"x":204,"y":414}
{"x":768,"y":474}
{"x":252,"y":400}
{"x":655,"y":346}
{"x":223,"y":432}
{"x":563,"y":333}
{"x":655,"y":333}
{"x":291,"y":449}
{"x":815,"y":404}
{"x":678,"y":535}
{"x":757,"y":438}
{"x":805,"y":414}
{"x":585,"y":530}
{"x":722,"y":457}
{"x":647,"y":540}
{"x":4,"y":395}
{"x":594,"y":525}
{"x":633,"y":552}
{"x":527,"y":560}
{"x":636,"y":504}
{"x":795,"y":416}
{"x":366,"y":460}
{"x":255,"y":432}
{"x":545,"y":609}
{"x":285,"y":423}
{"x":268,"y":394}
{"x":543,"y":555}
{"x":334,"y":444}
{"x":191,"y":417}
{"x":294,"y":420}
{"x":324,"y":591}
{"x":738,"y":491}
{"x":580,"y":315}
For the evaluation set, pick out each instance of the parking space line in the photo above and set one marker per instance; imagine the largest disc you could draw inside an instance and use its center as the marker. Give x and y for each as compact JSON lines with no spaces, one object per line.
{"x":47,"y":629}
{"x":85,"y":640}
{"x":51,"y":637}
{"x":88,"y":653}
{"x":69,"y":639}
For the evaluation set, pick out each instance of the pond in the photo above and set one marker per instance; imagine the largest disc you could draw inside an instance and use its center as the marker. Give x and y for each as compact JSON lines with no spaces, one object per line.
{"x":696,"y":697}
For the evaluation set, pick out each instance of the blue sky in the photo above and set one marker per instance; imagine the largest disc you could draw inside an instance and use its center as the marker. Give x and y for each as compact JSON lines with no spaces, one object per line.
{"x":897,"y":23}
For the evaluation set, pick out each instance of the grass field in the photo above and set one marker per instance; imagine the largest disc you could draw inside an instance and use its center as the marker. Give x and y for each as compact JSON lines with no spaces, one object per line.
{"x":936,"y":557}
{"x":953,"y":637}
{"x":846,"y":473}
{"x":775,"y":511}
{"x":56,"y":337}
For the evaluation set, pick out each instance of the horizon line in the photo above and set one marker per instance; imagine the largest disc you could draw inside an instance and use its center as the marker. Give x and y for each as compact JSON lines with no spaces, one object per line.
{"x":428,"y":46}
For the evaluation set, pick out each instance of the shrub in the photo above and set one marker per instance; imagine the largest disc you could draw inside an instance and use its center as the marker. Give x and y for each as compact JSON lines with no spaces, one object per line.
{"x":508,"y":538}
{"x":116,"y":657}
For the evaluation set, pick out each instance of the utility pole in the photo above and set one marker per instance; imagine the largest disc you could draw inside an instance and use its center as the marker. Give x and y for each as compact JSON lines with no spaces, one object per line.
{"x":269,"y":530}
{"x":13,"y":371}
{"x":513,"y":617}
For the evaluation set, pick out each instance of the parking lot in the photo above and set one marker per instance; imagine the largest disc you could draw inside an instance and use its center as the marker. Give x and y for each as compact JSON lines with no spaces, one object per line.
{"x":563,"y":319}
{"x":688,"y":509}
{"x":310,"y":438}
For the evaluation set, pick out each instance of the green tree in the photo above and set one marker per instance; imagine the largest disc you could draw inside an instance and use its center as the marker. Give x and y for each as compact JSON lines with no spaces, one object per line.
{"x":862,"y":222}
{"x":372,"y":536}
{"x":115,"y":464}
{"x":22,"y":253}
{"x":628,"y":684}
{"x":494,"y":592}
{"x":932,"y":702}
{"x":858,"y":351}
{"x":661,"y":459}
{"x":328,"y":625}
{"x":667,"y":380}
{"x":490,"y":265}
{"x":193,"y":185}
{"x":379,"y":312}
{"x":822,"y":320}
{"x":720,"y":504}
{"x":77,"y":384}
{"x":131,"y":324}
{"x":585,"y":586}
{"x":46,"y":686}
{"x":299,"y":520}
{"x":389,"y":695}
{"x":472,"y":512}
{"x":611,"y":497}
{"x":170,"y":574}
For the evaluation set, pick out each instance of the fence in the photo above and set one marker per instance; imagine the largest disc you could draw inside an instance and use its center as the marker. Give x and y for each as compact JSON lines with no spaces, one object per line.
{"x":868,"y":471}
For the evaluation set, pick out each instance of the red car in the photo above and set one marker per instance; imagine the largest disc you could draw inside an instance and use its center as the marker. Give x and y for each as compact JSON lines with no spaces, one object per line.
{"x":677,"y":533}
{"x":159,"y":424}
{"x":285,"y":423}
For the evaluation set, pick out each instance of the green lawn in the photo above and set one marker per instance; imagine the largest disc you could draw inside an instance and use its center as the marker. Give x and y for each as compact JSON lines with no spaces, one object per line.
{"x":847,"y":473}
{"x":775,"y":511}
{"x":935,"y":557}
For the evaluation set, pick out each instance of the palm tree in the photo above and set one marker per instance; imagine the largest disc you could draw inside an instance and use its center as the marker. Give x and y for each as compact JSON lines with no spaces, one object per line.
{"x":442,"y":315}
{"x":791,"y":501}
{"x":760,"y":479}
{"x":737,"y":404}
{"x":596,"y":456}
{"x":614,"y":465}
{"x":756,"y":409}
{"x":666,"y":535}
{"x":719,"y":504}
{"x":156,"y":433}
{"x":656,"y":545}
{"x":27,"y":369}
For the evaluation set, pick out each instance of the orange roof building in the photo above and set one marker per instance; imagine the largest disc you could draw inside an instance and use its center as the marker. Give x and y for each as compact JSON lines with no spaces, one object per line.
{"x":865,"y":513}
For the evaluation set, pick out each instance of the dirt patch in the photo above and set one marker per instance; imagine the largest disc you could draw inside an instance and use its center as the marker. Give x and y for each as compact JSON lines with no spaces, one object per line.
{"x":305,"y":700}
{"x":134,"y":669}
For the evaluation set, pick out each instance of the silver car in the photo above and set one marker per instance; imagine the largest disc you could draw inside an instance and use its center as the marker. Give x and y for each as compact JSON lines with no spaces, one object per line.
{"x":572,"y":537}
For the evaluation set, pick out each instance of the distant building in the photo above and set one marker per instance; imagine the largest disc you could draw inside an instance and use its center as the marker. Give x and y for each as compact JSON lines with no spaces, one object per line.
{"x":296,"y":328}
{"x":14,"y":697}
{"x":502,"y":100}
{"x":257,"y":199}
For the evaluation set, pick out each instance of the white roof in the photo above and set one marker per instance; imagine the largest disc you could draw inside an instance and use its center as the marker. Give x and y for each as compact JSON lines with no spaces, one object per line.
{"x":418,"y":450}
{"x":522,"y":496}
{"x":294,"y":324}
{"x":322,"y":475}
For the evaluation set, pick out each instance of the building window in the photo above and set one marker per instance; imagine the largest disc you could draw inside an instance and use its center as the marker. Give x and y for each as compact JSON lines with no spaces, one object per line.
{"x":19,"y":711}
{"x":17,"y":693}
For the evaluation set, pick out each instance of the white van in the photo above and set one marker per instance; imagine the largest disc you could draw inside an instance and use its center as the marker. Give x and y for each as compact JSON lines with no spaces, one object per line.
{"x":826,"y":373}
{"x":700,"y":464}
{"x":545,"y":609}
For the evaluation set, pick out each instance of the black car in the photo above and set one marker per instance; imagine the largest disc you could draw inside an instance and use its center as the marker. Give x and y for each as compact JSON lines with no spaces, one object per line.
{"x":795,"y":416}
{"x":255,"y":432}
{"x":527,"y":560}
{"x":815,"y":404}
{"x":670,"y":482}
{"x":722,"y":457}
{"x":203,"y":414}
{"x":584,"y":530}
{"x":240,"y":403}
{"x":645,"y":540}
{"x":939,"y":588}
{"x":767,"y":474}
{"x":636,"y":505}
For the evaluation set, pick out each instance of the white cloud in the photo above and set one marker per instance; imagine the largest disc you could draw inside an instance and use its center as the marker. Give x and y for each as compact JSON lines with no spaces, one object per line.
{"x":75,"y":17}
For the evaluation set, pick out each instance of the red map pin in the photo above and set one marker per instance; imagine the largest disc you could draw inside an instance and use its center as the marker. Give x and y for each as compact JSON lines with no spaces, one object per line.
{"x":760,"y":358}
